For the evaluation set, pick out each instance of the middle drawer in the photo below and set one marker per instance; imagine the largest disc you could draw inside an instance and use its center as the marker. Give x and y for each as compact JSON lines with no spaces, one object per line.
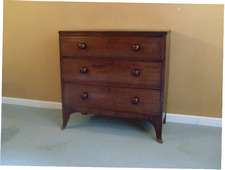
{"x":123,"y":73}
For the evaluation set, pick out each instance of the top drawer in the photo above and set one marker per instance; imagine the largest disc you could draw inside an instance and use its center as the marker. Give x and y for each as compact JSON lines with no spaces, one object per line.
{"x":116,"y":46}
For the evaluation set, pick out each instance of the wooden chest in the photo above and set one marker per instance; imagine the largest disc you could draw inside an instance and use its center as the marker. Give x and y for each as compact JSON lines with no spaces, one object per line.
{"x":117,"y":74}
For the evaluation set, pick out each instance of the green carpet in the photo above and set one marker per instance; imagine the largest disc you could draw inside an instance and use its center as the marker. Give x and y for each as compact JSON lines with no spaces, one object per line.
{"x":32,"y":136}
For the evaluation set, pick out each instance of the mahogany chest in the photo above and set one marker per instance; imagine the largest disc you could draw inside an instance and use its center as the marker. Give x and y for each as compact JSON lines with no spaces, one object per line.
{"x":120,"y":74}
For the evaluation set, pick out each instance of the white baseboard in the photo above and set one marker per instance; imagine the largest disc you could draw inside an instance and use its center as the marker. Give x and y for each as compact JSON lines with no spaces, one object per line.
{"x":32,"y":103}
{"x":196,"y":120}
{"x":171,"y":117}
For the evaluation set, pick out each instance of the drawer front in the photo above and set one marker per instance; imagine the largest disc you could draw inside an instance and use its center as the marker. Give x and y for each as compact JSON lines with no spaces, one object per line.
{"x":128,"y":100}
{"x":125,"y":73}
{"x":136,"y":47}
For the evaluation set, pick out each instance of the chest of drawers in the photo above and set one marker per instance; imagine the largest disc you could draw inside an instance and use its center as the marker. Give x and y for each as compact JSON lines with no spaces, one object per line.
{"x":120,"y":74}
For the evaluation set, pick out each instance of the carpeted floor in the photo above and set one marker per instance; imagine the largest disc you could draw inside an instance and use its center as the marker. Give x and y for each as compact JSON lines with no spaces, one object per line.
{"x":32,"y":136}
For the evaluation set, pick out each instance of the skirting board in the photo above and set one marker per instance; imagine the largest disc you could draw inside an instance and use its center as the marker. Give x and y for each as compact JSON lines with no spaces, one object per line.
{"x":171,"y":117}
{"x":32,"y":103}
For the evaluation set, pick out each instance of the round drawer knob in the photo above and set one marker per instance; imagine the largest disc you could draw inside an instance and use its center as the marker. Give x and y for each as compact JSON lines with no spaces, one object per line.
{"x":84,"y":96}
{"x":83,"y":70}
{"x":136,"y":72}
{"x":135,"y":100}
{"x":136,"y":47}
{"x":82,"y":45}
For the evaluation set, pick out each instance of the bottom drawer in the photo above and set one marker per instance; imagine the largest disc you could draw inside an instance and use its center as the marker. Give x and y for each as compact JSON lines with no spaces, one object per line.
{"x":127,"y":100}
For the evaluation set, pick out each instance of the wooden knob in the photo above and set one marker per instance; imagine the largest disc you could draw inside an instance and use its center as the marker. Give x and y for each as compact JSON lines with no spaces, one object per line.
{"x":135,"y":100}
{"x":136,"y":47}
{"x":84,"y":96}
{"x":136,"y":72}
{"x":83,"y":70}
{"x":82,"y":45}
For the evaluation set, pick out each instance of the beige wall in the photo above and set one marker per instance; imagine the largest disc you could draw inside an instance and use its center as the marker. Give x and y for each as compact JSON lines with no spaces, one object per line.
{"x":31,"y":52}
